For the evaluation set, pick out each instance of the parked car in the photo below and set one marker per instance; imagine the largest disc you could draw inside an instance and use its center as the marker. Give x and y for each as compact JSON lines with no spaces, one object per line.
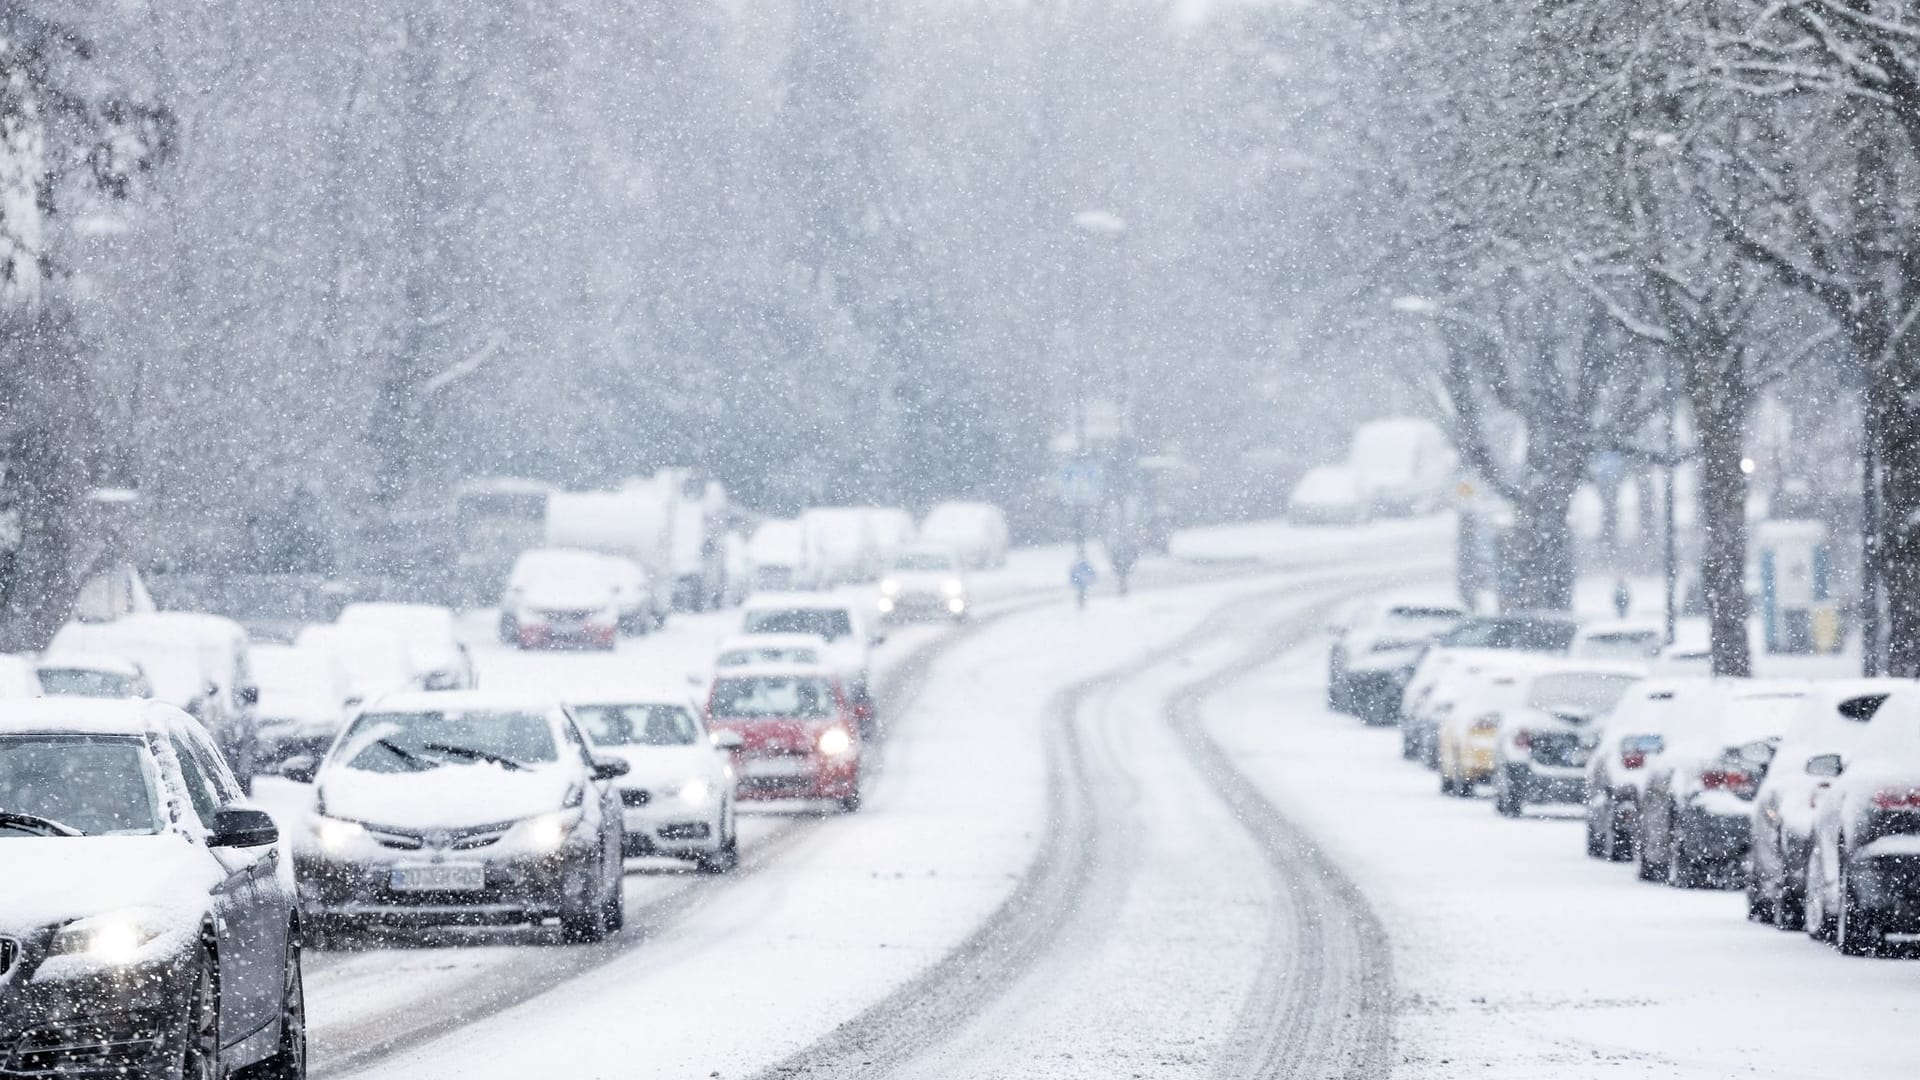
{"x":463,"y":808}
{"x":842,"y":628}
{"x":1465,"y":678}
{"x":1626,"y":641}
{"x":1544,"y":633}
{"x":1521,"y":696}
{"x":19,"y":677}
{"x":924,"y":581}
{"x":303,"y":695}
{"x":744,"y":650}
{"x":1540,"y":748}
{"x":376,"y":662}
{"x":1696,"y":814}
{"x":1374,"y":656}
{"x":976,"y":531}
{"x":95,"y":675}
{"x":1328,"y":495}
{"x":201,"y":664}
{"x":144,"y":932}
{"x":1863,"y":862}
{"x":1403,"y":465}
{"x":440,"y":662}
{"x":1831,"y":719}
{"x":1652,"y":711}
{"x":560,"y":597}
{"x":677,"y":796}
{"x":799,"y":736}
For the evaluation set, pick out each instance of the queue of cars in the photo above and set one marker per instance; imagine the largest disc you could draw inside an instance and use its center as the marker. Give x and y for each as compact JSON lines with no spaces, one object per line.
{"x":1806,"y":793}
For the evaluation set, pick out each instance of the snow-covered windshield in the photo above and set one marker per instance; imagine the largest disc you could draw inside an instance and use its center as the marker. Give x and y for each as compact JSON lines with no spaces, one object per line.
{"x":784,"y":654}
{"x":827,"y":623}
{"x":388,"y":742}
{"x":922,"y":562}
{"x":638,"y":725}
{"x":1590,"y":693}
{"x":87,"y":682}
{"x":763,"y":696}
{"x":98,"y":784}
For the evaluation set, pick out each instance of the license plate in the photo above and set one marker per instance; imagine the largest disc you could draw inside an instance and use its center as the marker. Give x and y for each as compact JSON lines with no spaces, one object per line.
{"x":443,"y":877}
{"x":774,"y":768}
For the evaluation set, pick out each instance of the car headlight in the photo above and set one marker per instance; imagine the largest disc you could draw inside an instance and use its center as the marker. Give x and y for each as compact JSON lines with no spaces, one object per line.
{"x":835,"y":741}
{"x":116,"y":937}
{"x":885,"y":605}
{"x":547,"y":832}
{"x":953,"y":586}
{"x":335,"y":835}
{"x":890,"y":586}
{"x":695,"y":792}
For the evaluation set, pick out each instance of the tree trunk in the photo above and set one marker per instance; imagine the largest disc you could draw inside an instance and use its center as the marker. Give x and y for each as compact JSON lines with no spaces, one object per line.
{"x":1536,"y":564}
{"x":1899,"y":546}
{"x":1720,"y":415}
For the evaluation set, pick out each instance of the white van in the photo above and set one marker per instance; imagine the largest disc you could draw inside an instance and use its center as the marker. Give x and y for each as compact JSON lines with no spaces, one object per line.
{"x":1403,"y":464}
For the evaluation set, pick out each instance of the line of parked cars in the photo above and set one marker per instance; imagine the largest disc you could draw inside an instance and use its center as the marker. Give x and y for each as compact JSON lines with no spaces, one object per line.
{"x":1805,"y":793}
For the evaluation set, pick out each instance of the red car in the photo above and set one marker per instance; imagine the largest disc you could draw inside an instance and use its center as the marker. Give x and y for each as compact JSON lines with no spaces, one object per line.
{"x":799,"y":736}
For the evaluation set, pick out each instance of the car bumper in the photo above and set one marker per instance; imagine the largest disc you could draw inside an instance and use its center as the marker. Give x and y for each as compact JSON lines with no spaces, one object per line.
{"x":1375,"y":694}
{"x":1715,"y":837}
{"x":673,"y":832}
{"x":796,"y":776}
{"x":516,"y":890}
{"x":123,"y":1023}
{"x":1545,"y":784}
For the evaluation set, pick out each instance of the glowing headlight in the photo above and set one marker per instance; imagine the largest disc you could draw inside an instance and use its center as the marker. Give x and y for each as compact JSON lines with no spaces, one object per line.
{"x":695,"y":792}
{"x":890,"y":586}
{"x":548,"y":831}
{"x":885,"y":605}
{"x":953,"y":586}
{"x":835,"y":742}
{"x":113,"y":938}
{"x":957,"y":606}
{"x":335,"y":835}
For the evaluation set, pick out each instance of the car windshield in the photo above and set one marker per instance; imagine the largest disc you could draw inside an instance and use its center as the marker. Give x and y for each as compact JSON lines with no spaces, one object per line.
{"x":1591,"y":693}
{"x":97,"y":784}
{"x":922,"y":562}
{"x":638,"y":725}
{"x":821,"y":622}
{"x":773,"y":695}
{"x":387,"y":742}
{"x":798,"y":654}
{"x":87,"y":682}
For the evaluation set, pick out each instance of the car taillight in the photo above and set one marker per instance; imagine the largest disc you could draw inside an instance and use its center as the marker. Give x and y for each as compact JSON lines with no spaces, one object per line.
{"x":1486,"y":725}
{"x":1523,"y":739}
{"x":1741,"y":783}
{"x":1632,"y":759}
{"x":1905,"y":798}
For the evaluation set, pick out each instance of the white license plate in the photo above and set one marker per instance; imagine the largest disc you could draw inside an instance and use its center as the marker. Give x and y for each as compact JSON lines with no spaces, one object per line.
{"x":443,"y":877}
{"x":780,"y":767}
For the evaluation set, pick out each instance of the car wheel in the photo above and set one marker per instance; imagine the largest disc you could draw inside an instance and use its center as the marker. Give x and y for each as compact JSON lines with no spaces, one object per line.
{"x":850,"y":803}
{"x":1683,"y":870}
{"x":1760,"y":906}
{"x":1857,"y":932}
{"x":722,"y":859}
{"x":1409,"y":748}
{"x":1508,"y":803}
{"x":1648,"y":866}
{"x":200,"y":1049}
{"x":1820,"y":923}
{"x":1789,"y":903}
{"x":584,"y":920}
{"x":509,"y":630}
{"x":289,"y":1062}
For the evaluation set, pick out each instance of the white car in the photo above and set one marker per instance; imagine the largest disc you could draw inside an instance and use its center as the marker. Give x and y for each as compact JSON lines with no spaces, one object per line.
{"x":1861,"y":884}
{"x":1626,"y":641}
{"x":839,"y":624}
{"x":924,"y":581}
{"x":1375,"y":654}
{"x":19,"y":677}
{"x":1540,"y":747}
{"x":1650,"y":713}
{"x":440,"y":662}
{"x":977,"y":531}
{"x":745,"y":650}
{"x":566,"y":597}
{"x":1328,"y":495}
{"x":677,"y":795}
{"x":376,"y":662}
{"x":303,"y":696}
{"x":95,"y":675}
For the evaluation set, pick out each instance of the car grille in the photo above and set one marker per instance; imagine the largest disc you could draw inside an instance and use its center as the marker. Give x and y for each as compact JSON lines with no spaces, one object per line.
{"x":776,"y":785}
{"x":686,"y":830}
{"x":1557,"y":750}
{"x":635,"y":797}
{"x":568,"y":614}
{"x":110,"y":1044}
{"x":463,"y":839}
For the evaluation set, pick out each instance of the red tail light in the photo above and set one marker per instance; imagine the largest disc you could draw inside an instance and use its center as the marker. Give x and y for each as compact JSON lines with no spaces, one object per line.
{"x":1897,"y":799}
{"x":1523,"y":739}
{"x":1743,"y":784}
{"x":1633,"y":759}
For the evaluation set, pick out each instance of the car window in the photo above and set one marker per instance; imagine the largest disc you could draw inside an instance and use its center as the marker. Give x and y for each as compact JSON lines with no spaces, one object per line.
{"x":773,"y":695}
{"x":922,"y":562}
{"x":97,"y":784}
{"x":821,"y":622}
{"x":638,"y":725}
{"x":87,"y":682}
{"x":225,"y":788}
{"x":1585,"y":692}
{"x":193,"y":775}
{"x":571,"y":733}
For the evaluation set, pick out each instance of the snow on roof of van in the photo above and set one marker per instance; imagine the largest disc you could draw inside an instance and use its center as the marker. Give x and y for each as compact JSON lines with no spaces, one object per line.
{"x":86,"y":716}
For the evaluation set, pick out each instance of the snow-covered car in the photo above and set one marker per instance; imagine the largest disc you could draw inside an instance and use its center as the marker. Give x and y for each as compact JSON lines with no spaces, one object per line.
{"x":634,"y":597}
{"x":560,"y":597}
{"x":777,"y":558}
{"x":924,"y":581}
{"x":1625,"y":641}
{"x":1328,"y":495}
{"x":1546,"y":634}
{"x":1832,"y":719}
{"x":1464,"y":734}
{"x":1374,"y":655}
{"x":841,"y":626}
{"x":1696,"y":813}
{"x":1652,"y":712}
{"x":201,"y":664}
{"x":1540,"y":748}
{"x":841,"y":548}
{"x":1474,"y":681}
{"x":95,"y":675}
{"x":799,"y":738}
{"x":303,"y":695}
{"x":892,"y":529}
{"x":976,"y":531}
{"x":1863,"y":862}
{"x":1403,"y":465}
{"x":440,"y":662}
{"x":19,"y":677}
{"x":743,"y":650}
{"x":677,"y":795}
{"x":463,"y":808}
{"x":144,"y":932}
{"x":376,"y":662}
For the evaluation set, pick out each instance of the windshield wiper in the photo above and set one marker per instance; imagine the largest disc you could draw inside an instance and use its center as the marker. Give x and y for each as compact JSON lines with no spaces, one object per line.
{"x":413,"y":760}
{"x":472,"y":754}
{"x":13,"y":819}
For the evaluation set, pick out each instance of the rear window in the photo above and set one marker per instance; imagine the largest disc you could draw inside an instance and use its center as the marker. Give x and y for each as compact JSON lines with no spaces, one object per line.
{"x":1582,"y":692}
{"x":796,"y":696}
{"x":828,"y":623}
{"x":797,"y":654}
{"x":87,"y":682}
{"x":638,"y":725}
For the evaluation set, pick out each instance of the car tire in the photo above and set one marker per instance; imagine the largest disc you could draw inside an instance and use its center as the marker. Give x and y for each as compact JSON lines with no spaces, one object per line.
{"x":1647,"y":867}
{"x":1760,"y":906}
{"x":1820,"y":923}
{"x":289,"y":1062}
{"x":1856,"y":932}
{"x":1409,"y":748}
{"x":850,"y":804}
{"x":1683,"y":870}
{"x":1507,"y":801}
{"x":200,"y":1034}
{"x":1789,"y":905}
{"x":723,"y":859}
{"x":584,"y":921}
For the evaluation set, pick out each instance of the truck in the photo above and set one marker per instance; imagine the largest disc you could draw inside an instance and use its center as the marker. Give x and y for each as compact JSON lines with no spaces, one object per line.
{"x":671,"y":524}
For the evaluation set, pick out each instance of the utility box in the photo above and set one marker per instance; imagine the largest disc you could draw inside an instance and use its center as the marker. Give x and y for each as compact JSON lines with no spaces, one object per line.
{"x":1797,"y":609}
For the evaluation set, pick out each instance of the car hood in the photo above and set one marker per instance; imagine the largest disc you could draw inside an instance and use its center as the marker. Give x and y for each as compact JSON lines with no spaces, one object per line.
{"x":449,"y":797}
{"x":56,"y":879}
{"x":657,"y":766}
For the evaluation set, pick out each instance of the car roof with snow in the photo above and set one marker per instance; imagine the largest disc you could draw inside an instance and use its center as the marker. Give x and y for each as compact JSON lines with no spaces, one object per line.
{"x":162,"y":626}
{"x":81,"y":660}
{"x":87,"y":716}
{"x":643,"y":694}
{"x":442,"y":700}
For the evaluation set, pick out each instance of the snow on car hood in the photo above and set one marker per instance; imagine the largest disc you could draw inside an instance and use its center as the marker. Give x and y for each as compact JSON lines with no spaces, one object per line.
{"x":448,"y":797}
{"x":662,"y":766}
{"x":53,"y":880}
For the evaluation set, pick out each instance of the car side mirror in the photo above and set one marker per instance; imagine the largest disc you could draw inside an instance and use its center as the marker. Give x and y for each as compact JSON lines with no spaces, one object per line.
{"x":876,"y":639}
{"x":242,"y":827}
{"x":249,"y":695}
{"x":1826,"y":765}
{"x":609,"y":768}
{"x":301,"y":768}
{"x":726,"y":740}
